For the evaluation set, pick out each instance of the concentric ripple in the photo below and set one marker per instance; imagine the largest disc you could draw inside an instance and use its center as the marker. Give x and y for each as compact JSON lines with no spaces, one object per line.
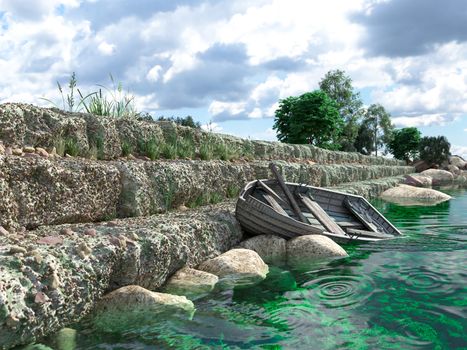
{"x":339,"y":291}
{"x":422,"y":280}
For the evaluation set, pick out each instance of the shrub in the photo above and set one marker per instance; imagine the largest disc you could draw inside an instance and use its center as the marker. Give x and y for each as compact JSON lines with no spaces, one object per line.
{"x":72,"y":147}
{"x":434,"y":149}
{"x":405,"y":143}
{"x":150,"y":148}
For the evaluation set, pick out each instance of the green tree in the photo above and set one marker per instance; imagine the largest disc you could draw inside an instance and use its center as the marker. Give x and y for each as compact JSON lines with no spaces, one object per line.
{"x":309,"y":118}
{"x":434,"y":149}
{"x":405,"y":144}
{"x":377,"y":123}
{"x":339,"y":87}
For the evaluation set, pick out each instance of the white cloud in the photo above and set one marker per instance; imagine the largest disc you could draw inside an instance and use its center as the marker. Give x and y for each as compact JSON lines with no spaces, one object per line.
{"x":459,"y":150}
{"x":154,"y":73}
{"x":232,"y":108}
{"x":212,"y":127}
{"x":423,"y":120}
{"x":106,"y":48}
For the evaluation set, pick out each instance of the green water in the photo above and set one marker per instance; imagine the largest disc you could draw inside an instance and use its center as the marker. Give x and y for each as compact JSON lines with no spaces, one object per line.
{"x":406,"y":293}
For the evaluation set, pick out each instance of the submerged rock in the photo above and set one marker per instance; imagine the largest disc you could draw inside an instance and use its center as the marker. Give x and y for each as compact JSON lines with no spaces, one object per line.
{"x":133,"y":307}
{"x":64,"y":339}
{"x":409,"y":195}
{"x":307,"y":249}
{"x":191,"y":283}
{"x":237,"y":267}
{"x":438,"y":176}
{"x":272,"y":249}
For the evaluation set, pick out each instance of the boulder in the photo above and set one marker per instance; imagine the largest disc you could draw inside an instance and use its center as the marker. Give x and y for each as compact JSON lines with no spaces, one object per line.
{"x":421,"y":165}
{"x":438,"y":176}
{"x":271,"y":248}
{"x":307,"y":249}
{"x":458,"y":162}
{"x":409,"y":195}
{"x":191,"y":283}
{"x":418,"y":180}
{"x":237,"y":267}
{"x":64,"y":339}
{"x":132,"y":307}
{"x":454,"y":170}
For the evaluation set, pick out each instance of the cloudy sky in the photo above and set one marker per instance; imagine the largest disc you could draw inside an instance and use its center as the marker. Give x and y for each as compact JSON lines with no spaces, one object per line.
{"x":228,"y":63}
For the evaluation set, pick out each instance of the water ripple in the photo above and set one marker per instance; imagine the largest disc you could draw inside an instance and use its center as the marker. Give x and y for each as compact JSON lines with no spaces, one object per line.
{"x":339,"y":291}
{"x":423,"y":280}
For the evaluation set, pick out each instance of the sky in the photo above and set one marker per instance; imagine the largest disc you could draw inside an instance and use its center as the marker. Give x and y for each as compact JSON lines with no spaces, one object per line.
{"x":228,"y":63}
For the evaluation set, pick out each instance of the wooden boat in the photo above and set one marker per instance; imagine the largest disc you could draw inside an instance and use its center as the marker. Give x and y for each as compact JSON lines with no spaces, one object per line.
{"x":264,"y":208}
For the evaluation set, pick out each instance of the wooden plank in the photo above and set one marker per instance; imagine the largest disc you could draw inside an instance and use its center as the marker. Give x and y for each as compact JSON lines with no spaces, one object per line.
{"x":287,"y":193}
{"x":273,"y":203}
{"x":321,"y":215}
{"x":365,"y":233}
{"x":354,"y":210}
{"x":269,"y":191}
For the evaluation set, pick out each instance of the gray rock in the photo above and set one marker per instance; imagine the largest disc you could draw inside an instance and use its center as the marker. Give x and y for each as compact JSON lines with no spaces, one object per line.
{"x":418,"y":180}
{"x":409,"y":195}
{"x":438,"y":176}
{"x":271,"y":248}
{"x":237,"y":267}
{"x":64,"y":339}
{"x":132,"y":307}
{"x":304,"y":250}
{"x":453,"y":170}
{"x":458,"y":162}
{"x":191,"y":283}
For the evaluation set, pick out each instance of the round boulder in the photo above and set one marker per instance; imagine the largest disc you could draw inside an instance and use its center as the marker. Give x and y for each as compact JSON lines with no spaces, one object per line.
{"x":237,"y":267}
{"x":409,"y":195}
{"x":307,"y":249}
{"x":438,"y":176}
{"x":191,"y":283}
{"x":458,"y":162}
{"x":453,"y":170}
{"x":271,"y":248}
{"x":132,"y":307}
{"x":418,"y":180}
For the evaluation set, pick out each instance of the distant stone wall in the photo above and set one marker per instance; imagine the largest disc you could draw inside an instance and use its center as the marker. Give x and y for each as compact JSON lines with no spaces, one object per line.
{"x":37,"y":191}
{"x":28,"y":125}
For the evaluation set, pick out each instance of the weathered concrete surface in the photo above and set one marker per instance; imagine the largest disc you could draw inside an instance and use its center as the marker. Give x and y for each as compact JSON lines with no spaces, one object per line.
{"x":370,"y":188}
{"x":23,"y":124}
{"x":38,"y":191}
{"x":52,"y":276}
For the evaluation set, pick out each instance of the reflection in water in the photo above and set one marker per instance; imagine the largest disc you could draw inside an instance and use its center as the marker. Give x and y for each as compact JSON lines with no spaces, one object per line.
{"x":405,"y":293}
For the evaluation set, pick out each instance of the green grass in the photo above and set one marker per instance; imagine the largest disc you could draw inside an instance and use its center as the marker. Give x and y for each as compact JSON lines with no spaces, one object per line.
{"x":150,"y":148}
{"x":206,"y":198}
{"x":232,"y":191}
{"x":127,"y":148}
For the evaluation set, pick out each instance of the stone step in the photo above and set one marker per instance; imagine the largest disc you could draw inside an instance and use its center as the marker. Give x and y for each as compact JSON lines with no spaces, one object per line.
{"x":37,"y":191}
{"x":27,"y":125}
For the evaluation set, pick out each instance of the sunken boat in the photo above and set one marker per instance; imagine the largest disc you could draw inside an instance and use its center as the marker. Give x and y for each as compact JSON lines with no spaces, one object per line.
{"x":290,"y":210}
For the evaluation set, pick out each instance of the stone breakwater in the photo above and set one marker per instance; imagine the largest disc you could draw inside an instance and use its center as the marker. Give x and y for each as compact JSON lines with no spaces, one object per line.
{"x":38,"y":191}
{"x":28,"y":125}
{"x":53,"y":276}
{"x":61,"y":245}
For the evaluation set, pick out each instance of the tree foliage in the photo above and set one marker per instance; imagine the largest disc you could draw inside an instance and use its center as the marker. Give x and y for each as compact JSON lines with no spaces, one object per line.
{"x":434,"y":149}
{"x":405,"y":143}
{"x":339,"y":87}
{"x":309,"y":118}
{"x":375,"y":131}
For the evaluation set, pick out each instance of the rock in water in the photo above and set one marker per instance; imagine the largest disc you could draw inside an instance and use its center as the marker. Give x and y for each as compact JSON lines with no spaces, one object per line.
{"x":438,"y":176}
{"x":65,"y":339}
{"x":303,"y":250}
{"x":237,"y":267}
{"x":272,"y":249}
{"x":133,"y":307}
{"x":409,"y":195}
{"x":191,"y":283}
